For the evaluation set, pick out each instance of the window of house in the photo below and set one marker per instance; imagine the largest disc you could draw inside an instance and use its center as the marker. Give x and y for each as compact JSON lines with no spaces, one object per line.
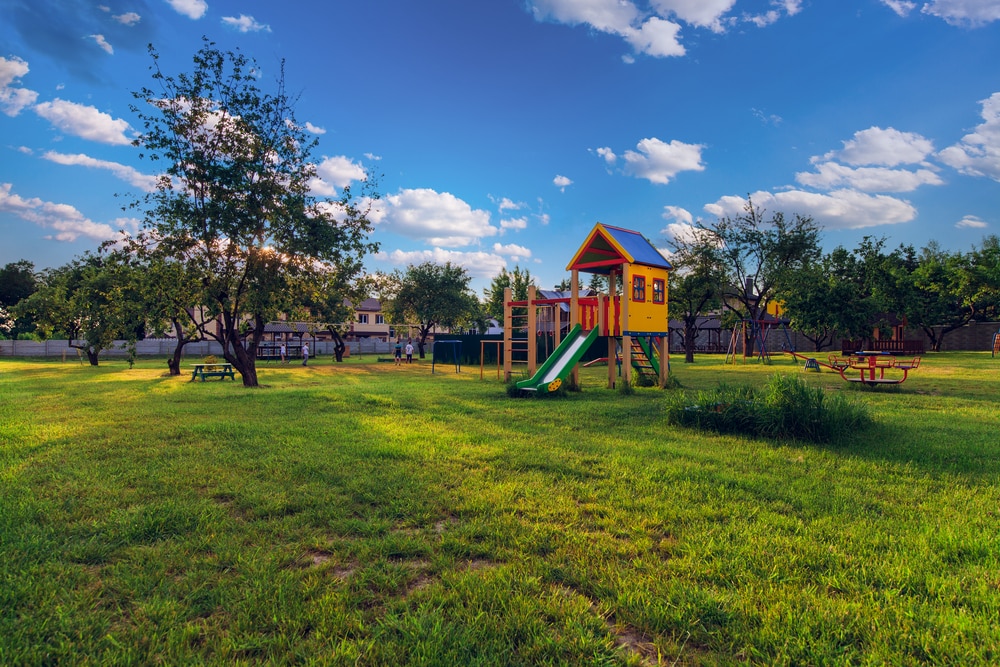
{"x":658,"y":290}
{"x":639,"y":288}
{"x":380,"y":319}
{"x":362,"y":318}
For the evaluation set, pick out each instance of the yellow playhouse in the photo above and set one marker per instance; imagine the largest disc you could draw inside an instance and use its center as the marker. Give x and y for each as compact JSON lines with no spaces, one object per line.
{"x":636,"y":316}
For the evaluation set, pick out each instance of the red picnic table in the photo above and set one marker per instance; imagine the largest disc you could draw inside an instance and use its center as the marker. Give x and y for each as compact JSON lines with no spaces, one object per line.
{"x":869,"y":363}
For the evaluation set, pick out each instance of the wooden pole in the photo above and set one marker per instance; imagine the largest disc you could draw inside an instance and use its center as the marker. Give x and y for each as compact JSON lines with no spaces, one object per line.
{"x":532,"y":331}
{"x":626,"y":339}
{"x":508,"y":334}
{"x":574,"y":317}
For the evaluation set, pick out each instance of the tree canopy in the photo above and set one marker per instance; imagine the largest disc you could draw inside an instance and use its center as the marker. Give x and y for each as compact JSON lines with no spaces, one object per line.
{"x":234,"y":205}
{"x":428,"y":295}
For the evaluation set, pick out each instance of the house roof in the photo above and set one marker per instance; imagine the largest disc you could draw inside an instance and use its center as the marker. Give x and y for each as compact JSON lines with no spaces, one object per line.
{"x":368,"y":304}
{"x":608,"y":247}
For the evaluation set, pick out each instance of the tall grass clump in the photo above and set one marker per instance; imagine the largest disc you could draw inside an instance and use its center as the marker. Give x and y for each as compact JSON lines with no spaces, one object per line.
{"x":784,"y":407}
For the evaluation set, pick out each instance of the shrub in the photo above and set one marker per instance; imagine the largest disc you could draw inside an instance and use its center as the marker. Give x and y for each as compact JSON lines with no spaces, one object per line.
{"x":210,"y":359}
{"x":785,"y":407}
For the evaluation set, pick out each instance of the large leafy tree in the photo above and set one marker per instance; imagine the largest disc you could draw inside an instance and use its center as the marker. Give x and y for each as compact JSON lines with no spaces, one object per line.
{"x":428,"y":295}
{"x":758,"y":252}
{"x":697,"y":284}
{"x":825,"y":299}
{"x":91,"y":300}
{"x":18,"y":280}
{"x":517,"y":280}
{"x":234,"y":205}
{"x":982,"y":280}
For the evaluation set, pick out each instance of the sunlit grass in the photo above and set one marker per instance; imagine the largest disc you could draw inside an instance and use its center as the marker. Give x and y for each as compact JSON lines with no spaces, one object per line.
{"x":363,"y":513}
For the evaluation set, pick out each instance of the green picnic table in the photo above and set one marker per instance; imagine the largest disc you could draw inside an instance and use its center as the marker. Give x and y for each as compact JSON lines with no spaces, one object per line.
{"x":212,"y":371}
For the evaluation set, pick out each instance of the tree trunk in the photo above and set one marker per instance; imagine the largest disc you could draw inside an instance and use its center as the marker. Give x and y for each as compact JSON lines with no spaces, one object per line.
{"x":92,"y":352}
{"x":174,"y":363}
{"x":338,"y":344}
{"x":690,"y":336}
{"x":243,"y":358}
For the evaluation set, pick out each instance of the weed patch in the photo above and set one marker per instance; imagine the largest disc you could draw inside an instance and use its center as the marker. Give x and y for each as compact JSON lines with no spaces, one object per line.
{"x":784,"y":408}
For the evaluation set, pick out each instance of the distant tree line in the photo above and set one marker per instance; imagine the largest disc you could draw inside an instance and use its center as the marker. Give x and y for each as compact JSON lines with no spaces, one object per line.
{"x":740,"y":265}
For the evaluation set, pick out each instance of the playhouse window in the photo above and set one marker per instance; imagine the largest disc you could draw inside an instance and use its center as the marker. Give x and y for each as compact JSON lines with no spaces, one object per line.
{"x":658,"y":292}
{"x":638,"y":288}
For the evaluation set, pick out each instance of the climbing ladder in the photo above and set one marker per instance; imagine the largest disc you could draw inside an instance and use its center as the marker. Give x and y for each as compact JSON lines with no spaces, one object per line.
{"x":996,"y":343}
{"x":644,"y":359}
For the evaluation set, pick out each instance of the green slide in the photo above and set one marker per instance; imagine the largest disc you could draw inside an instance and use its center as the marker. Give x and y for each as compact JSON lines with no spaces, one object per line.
{"x":558,"y":366}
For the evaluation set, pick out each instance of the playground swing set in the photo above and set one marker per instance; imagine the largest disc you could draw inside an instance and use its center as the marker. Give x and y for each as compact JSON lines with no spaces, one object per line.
{"x":635,"y":321}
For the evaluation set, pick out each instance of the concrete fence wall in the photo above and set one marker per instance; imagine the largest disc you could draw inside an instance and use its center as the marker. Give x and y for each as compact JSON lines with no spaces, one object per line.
{"x":154,"y":347}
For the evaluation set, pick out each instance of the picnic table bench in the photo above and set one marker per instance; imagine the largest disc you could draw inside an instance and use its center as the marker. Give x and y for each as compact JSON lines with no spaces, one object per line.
{"x":212,"y":371}
{"x":866,"y":363}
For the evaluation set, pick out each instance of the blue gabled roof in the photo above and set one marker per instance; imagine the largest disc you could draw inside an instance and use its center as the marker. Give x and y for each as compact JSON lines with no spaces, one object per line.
{"x":607,"y":247}
{"x":636,"y":245}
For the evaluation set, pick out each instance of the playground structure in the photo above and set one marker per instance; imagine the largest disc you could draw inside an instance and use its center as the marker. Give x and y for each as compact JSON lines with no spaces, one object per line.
{"x":996,"y":344}
{"x":635,"y":321}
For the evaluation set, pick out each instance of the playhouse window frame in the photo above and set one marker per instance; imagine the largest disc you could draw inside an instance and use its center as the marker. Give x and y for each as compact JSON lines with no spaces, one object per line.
{"x":638,"y":288}
{"x":659,"y":290}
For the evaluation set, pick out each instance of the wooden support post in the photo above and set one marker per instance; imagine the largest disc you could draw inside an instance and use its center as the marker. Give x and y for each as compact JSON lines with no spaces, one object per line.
{"x":532,"y":331}
{"x":626,"y":340}
{"x":574,"y":315}
{"x":664,"y":354}
{"x":508,"y":335}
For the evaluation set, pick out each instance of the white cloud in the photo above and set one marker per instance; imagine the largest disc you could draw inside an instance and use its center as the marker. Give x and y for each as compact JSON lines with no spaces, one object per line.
{"x":478,"y":264}
{"x":514,"y":223}
{"x":85,"y":122}
{"x":701,"y":13}
{"x":193,"y":9}
{"x":13,"y":100}
{"x":653,"y":27}
{"x":103,"y":43}
{"x":512,"y":250}
{"x":611,"y":16}
{"x":883,"y":147}
{"x":658,"y":162}
{"x":971,"y":222}
{"x":901,"y":7}
{"x":677,"y":213}
{"x":245,"y":24}
{"x":336,"y":172}
{"x":978,"y":153}
{"x":128,"y":18}
{"x":562,"y":182}
{"x":608,"y":154}
{"x":438,"y":218}
{"x":507,"y":204}
{"x":972,"y":13}
{"x":831,"y":175}
{"x":766,"y":118}
{"x":124,"y":172}
{"x":67,"y":222}
{"x":314,"y":129}
{"x":656,"y":37}
{"x":840,"y":209}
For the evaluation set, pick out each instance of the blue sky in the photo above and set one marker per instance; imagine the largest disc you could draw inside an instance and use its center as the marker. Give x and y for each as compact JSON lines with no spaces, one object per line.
{"x":504,"y":129}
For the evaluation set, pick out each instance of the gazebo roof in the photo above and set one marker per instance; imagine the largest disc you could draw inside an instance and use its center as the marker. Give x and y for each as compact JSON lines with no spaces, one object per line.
{"x":608,"y":247}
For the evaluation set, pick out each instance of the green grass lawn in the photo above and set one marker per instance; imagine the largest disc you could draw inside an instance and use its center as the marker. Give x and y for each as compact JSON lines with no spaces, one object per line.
{"x":367,"y":514}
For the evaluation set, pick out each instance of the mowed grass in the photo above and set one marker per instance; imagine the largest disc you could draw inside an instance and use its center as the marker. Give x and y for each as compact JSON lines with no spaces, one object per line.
{"x":367,"y":514}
